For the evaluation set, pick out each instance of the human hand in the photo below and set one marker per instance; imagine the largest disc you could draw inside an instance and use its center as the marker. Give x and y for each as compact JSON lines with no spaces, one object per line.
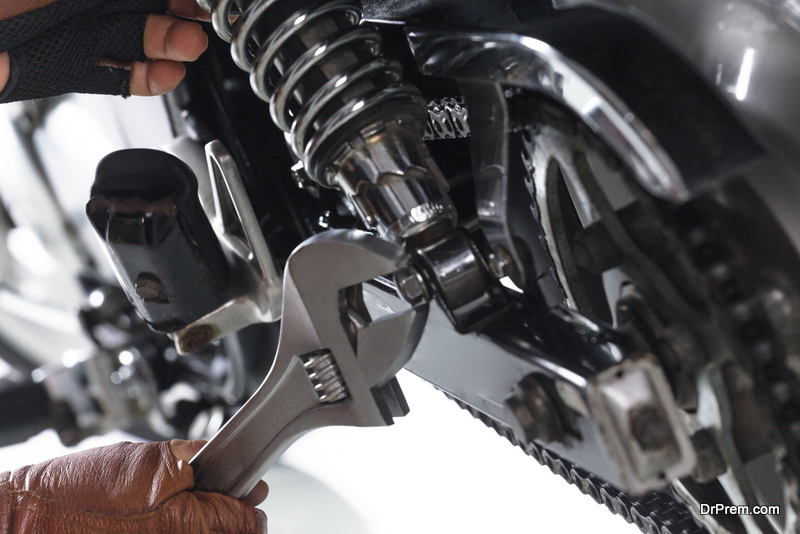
{"x":123,"y":488}
{"x":97,"y":46}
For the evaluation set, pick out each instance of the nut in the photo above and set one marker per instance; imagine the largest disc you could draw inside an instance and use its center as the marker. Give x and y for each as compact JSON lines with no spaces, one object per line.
{"x":410,"y":284}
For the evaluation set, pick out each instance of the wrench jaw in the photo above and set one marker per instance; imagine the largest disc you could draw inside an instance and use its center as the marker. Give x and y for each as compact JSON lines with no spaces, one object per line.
{"x":334,"y":365}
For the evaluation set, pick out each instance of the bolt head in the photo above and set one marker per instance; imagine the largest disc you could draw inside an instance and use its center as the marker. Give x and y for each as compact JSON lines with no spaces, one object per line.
{"x":410,"y":284}
{"x":197,"y":338}
{"x":148,"y":288}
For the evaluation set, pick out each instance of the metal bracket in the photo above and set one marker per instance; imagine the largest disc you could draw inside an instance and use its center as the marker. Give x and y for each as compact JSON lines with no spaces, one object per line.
{"x":236,"y":225}
{"x":521,"y":61}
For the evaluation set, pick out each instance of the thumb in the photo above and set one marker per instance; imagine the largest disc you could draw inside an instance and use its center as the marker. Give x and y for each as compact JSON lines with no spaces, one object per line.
{"x":186,"y":450}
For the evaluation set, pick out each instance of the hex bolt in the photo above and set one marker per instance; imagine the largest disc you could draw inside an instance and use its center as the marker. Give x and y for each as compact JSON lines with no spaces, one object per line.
{"x":148,"y":287}
{"x":594,"y":250}
{"x":410,"y":284}
{"x":537,"y":417}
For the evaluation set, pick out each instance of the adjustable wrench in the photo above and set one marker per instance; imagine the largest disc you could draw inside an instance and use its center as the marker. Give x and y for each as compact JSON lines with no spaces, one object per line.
{"x":334,"y":365}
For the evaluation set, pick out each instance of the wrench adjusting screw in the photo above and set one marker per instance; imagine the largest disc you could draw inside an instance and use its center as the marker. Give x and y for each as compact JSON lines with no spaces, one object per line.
{"x":325,"y":375}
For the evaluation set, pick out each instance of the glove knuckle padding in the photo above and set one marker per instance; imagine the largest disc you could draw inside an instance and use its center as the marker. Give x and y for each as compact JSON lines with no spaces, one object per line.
{"x":58,"y":48}
{"x":125,"y":488}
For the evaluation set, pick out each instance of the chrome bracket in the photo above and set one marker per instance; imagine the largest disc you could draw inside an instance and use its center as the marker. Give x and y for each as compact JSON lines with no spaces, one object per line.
{"x":260,"y":293}
{"x":525,"y":62}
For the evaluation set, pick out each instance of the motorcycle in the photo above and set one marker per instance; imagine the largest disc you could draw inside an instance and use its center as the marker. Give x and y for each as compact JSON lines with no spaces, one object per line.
{"x":575,"y":218}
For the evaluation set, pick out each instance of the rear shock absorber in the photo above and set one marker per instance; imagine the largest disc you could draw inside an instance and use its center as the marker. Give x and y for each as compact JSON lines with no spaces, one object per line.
{"x":345,"y":111}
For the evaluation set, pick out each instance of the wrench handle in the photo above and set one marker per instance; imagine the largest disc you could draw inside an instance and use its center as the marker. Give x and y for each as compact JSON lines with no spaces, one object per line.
{"x":277,"y":414}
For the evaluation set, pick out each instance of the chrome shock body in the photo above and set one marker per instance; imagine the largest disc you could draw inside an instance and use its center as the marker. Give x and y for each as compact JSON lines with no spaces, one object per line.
{"x":346,"y":113}
{"x":355,"y":125}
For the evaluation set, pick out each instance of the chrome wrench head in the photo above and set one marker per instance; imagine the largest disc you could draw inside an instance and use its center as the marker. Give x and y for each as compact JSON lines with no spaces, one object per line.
{"x":334,"y":365}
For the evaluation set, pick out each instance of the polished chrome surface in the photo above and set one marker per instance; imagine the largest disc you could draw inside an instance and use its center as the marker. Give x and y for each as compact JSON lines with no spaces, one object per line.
{"x":236,"y":225}
{"x":460,"y":279}
{"x":520,"y":61}
{"x":393,"y":181}
{"x":490,"y":163}
{"x":367,"y":353}
{"x":354,"y":81}
{"x":749,"y":50}
{"x":324,"y":374}
{"x":347,"y":146}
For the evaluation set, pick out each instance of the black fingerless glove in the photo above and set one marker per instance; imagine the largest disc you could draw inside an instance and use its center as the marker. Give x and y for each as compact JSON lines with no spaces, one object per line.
{"x":73,"y":46}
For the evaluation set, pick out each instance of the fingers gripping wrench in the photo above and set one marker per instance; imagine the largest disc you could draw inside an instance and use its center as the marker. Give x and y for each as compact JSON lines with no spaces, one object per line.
{"x":334,"y":366}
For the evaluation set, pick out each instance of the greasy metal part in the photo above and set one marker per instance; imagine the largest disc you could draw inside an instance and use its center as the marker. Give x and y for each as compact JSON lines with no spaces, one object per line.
{"x":708,"y":327}
{"x":448,"y":118}
{"x":715,"y":232}
{"x":410,"y":284}
{"x":258,"y":294}
{"x":367,"y":354}
{"x":550,"y":156}
{"x":149,"y":288}
{"x":593,"y":249}
{"x":708,"y":336}
{"x":521,"y":61}
{"x":710,"y":463}
{"x":639,"y":419}
{"x":676,"y":347}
